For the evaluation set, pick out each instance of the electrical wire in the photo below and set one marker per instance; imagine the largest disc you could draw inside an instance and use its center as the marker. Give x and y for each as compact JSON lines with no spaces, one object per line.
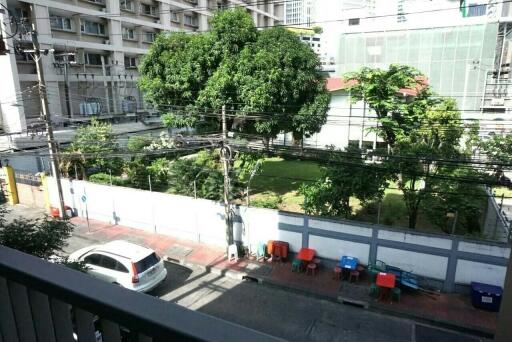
{"x":277,"y":2}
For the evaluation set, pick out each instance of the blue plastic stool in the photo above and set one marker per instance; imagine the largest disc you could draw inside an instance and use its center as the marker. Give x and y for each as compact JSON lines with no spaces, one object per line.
{"x":296,"y":265}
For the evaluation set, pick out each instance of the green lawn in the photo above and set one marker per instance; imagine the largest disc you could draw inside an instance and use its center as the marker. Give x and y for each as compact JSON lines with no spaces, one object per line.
{"x":284,"y":177}
{"x":501,"y":190}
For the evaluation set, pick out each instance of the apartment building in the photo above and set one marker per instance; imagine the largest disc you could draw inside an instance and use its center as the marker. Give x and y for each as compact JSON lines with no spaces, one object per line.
{"x":300,"y":12}
{"x":94,"y":48}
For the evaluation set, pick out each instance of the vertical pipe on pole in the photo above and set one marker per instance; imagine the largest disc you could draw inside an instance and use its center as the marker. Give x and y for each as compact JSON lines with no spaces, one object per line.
{"x":225,"y":166}
{"x":52,"y":146}
{"x":454,"y":225}
{"x":66,"y":86}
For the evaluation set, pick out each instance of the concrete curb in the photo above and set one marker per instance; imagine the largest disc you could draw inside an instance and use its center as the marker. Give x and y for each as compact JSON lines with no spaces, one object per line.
{"x":470,"y":329}
{"x":236,"y":275}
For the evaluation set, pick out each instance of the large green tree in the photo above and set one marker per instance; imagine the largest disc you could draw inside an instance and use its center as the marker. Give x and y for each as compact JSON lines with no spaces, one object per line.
{"x":420,"y":128}
{"x":268,"y":80}
{"x":456,"y":189}
{"x":92,"y":149}
{"x":398,"y":114}
{"x":498,"y":149}
{"x":415,"y":160}
{"x":345,"y":176}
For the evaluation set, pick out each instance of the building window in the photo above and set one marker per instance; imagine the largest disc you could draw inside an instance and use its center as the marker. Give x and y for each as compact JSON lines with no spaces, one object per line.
{"x":60,"y":23}
{"x":24,"y":57}
{"x":353,"y":21}
{"x":92,"y":27}
{"x":101,"y":2}
{"x":148,"y":10}
{"x":92,"y":59}
{"x":149,"y":37}
{"x":130,"y":62}
{"x":190,"y":20}
{"x":59,"y":57}
{"x":20,"y":14}
{"x":128,"y":33}
{"x":127,"y":5}
{"x":129,"y":104}
{"x":174,"y":17}
{"x":477,"y":10}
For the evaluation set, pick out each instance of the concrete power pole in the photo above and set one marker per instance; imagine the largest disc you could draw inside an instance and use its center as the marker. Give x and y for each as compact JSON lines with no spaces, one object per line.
{"x":52,"y":146}
{"x":225,"y":154}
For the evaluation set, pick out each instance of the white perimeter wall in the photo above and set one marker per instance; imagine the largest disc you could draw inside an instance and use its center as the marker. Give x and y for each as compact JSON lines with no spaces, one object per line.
{"x":203,"y":221}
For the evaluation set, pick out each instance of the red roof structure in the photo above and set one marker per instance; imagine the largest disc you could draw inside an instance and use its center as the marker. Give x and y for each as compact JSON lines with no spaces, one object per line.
{"x":338,"y":83}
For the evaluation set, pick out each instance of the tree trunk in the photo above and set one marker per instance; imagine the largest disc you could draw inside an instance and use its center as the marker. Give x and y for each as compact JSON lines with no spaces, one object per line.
{"x":346,"y":207}
{"x":413,"y":217}
{"x":266,"y":143}
{"x":84,"y":174}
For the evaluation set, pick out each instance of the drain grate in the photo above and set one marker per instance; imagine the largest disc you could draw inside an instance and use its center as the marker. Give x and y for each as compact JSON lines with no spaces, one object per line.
{"x":177,"y":251}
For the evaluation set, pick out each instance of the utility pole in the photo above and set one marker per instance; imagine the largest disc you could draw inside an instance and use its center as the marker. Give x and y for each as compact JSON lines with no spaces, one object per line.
{"x":52,"y":146}
{"x":225,"y":154}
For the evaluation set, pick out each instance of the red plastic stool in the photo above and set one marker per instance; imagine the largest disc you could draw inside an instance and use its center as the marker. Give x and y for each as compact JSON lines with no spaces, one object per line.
{"x":311,"y":267}
{"x":337,"y":273}
{"x":354,"y":274}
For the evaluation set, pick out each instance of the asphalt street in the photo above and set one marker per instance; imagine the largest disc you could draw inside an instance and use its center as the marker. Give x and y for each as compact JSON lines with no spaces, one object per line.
{"x":288,"y":314}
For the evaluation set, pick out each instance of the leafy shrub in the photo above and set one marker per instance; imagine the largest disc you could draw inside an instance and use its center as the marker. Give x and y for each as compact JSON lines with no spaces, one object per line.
{"x":270,"y":200}
{"x":104,"y":178}
{"x":392,"y":210}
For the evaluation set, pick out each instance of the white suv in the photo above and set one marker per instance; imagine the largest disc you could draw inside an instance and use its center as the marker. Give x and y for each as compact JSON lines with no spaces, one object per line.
{"x":124,"y":263}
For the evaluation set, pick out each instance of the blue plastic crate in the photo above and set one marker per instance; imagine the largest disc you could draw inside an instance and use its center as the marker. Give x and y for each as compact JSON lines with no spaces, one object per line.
{"x":486,"y":296}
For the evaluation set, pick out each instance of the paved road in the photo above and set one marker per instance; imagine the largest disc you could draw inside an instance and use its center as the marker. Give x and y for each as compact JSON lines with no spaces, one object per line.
{"x":288,"y":314}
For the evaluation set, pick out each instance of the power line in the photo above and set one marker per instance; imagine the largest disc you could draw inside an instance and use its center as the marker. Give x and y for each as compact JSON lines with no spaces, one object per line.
{"x":114,"y":15}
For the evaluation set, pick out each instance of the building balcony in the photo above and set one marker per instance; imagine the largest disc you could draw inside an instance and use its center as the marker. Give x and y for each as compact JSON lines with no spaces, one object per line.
{"x":42,"y":301}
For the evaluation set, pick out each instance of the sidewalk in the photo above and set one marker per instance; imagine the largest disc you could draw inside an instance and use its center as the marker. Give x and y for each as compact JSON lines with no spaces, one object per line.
{"x":450,"y":310}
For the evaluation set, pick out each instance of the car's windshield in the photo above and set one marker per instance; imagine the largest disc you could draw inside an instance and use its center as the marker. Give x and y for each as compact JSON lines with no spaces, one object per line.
{"x":146,"y":263}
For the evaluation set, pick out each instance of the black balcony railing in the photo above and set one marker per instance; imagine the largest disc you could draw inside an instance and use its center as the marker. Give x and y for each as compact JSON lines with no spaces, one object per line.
{"x":41,"y":301}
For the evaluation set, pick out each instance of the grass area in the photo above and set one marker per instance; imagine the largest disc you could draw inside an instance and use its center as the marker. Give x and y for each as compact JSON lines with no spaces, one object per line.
{"x":502,"y":190}
{"x":283,"y":178}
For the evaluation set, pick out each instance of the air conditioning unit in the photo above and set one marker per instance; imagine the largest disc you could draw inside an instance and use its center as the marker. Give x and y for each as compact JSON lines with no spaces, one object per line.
{"x":497,"y":102}
{"x":106,"y":41}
